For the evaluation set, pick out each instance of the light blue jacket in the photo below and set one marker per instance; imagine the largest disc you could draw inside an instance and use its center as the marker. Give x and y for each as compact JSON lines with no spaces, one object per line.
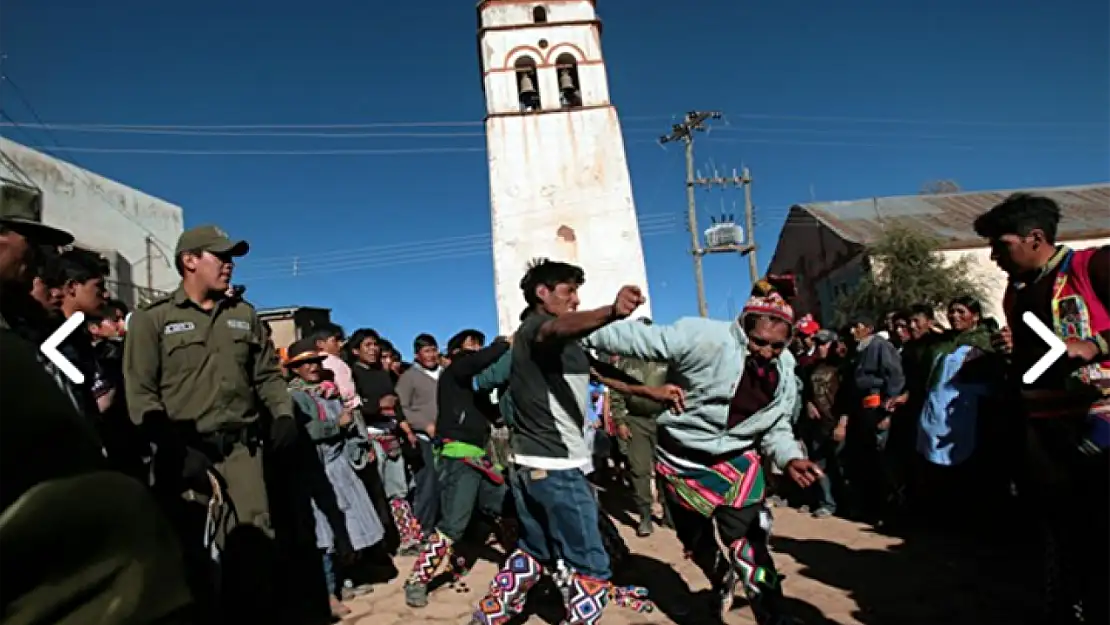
{"x":706,"y":358}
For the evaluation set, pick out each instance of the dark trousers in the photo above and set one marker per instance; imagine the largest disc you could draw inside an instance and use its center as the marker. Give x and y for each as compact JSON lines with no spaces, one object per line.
{"x":866,"y":471}
{"x":426,"y":491}
{"x":698,"y":535}
{"x":1078,"y":536}
{"x":464,"y":490}
{"x":242,"y":584}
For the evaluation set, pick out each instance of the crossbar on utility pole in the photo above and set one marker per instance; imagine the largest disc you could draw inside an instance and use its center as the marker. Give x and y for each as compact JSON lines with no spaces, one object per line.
{"x":695,"y":122}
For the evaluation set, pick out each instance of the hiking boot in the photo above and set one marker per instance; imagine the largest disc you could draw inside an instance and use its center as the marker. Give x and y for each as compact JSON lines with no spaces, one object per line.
{"x":416,"y":595}
{"x":646,"y":526}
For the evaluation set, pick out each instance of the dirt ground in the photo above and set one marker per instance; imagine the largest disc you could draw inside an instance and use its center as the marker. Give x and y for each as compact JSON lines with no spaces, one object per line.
{"x":836,"y":571}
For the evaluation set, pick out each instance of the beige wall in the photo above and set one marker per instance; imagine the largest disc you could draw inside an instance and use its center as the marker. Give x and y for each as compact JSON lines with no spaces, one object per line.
{"x":284,"y":332}
{"x":985,"y":271}
{"x":105,"y":216}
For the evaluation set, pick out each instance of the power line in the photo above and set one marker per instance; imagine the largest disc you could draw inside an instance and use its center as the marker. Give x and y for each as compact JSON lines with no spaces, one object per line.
{"x":902,"y":145}
{"x":644,"y":221}
{"x":80,"y":171}
{"x":918,"y":121}
{"x":476,"y":123}
{"x":351,"y":152}
{"x":267,"y":134}
{"x":427,"y":255}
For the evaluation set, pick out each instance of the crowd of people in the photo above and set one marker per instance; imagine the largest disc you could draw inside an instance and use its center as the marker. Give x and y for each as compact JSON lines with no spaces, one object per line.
{"x":272,"y":485}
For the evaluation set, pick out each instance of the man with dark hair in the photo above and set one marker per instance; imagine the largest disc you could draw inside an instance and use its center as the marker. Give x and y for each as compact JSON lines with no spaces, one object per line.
{"x":416,"y":390}
{"x":467,"y":480}
{"x":879,"y":383}
{"x":549,"y":378}
{"x":1067,"y":408}
{"x":200,"y":373}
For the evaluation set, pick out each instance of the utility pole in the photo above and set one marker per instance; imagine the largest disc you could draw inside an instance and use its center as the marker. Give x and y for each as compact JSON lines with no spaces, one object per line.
{"x":749,"y":225}
{"x":695,"y":122}
{"x":149,"y":266}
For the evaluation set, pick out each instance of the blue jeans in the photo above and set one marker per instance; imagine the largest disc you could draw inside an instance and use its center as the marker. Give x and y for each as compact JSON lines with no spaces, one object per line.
{"x":557,"y":513}
{"x":330,"y":578}
{"x":825,"y":453}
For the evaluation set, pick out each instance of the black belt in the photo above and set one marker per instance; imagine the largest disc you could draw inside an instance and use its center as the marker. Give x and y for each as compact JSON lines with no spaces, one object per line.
{"x":219,"y":444}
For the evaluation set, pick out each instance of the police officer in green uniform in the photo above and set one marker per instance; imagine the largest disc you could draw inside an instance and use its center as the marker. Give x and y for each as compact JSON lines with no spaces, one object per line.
{"x":199,"y":374}
{"x":637,"y":431}
{"x":94,"y":535}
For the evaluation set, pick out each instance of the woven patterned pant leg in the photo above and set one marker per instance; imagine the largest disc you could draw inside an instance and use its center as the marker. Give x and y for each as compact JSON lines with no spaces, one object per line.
{"x":755,"y":570}
{"x":586,"y":599}
{"x":436,"y":550}
{"x":509,"y":589}
{"x":406,"y":522}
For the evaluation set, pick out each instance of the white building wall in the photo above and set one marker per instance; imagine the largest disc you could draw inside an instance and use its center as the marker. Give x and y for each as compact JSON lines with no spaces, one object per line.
{"x":993,"y":279}
{"x":559,"y":181}
{"x":103,"y":215}
{"x":494,"y":13}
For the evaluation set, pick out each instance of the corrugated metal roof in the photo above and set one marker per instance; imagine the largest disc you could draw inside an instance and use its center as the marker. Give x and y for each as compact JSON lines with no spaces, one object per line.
{"x":949,"y":217}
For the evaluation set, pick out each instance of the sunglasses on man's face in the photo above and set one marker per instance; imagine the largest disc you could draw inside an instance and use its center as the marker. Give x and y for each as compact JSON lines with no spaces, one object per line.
{"x":759,"y":342}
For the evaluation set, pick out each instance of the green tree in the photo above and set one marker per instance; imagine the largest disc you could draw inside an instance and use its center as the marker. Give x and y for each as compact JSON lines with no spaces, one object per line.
{"x":905,"y":269}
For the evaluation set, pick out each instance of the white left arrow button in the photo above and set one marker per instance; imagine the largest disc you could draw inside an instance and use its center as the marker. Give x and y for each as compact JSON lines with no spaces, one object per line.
{"x":49,"y":348}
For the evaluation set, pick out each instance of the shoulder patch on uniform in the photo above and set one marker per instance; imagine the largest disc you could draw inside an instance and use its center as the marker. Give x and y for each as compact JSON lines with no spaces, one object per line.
{"x":239,"y":324}
{"x":155,"y":302}
{"x":178,"y":327}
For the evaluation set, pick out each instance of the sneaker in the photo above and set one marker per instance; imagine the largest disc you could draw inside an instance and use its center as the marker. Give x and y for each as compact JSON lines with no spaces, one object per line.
{"x":823,"y":512}
{"x":416,"y":595}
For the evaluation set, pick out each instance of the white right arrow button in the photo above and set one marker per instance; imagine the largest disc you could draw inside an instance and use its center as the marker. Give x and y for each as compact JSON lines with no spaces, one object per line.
{"x":49,"y":348}
{"x":1056,"y":348}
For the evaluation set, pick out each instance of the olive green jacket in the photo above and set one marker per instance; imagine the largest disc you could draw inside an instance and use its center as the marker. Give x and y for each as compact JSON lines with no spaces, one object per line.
{"x":211,"y":367}
{"x":622,"y":407}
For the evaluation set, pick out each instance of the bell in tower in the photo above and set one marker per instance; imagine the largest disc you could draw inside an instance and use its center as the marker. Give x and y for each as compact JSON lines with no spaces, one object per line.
{"x":529,"y":96}
{"x":570,"y":93}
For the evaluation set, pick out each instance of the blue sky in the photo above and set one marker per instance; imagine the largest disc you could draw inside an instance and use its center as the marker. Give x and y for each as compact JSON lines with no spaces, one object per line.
{"x":825,"y":100}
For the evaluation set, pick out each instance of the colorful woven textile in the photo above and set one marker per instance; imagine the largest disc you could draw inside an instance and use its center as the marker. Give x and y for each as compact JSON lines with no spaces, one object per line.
{"x":733,"y":483}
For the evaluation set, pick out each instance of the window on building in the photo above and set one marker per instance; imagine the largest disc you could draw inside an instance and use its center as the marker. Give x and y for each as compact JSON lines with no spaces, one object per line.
{"x":527,"y":84}
{"x":539,"y":15}
{"x":570,"y":89}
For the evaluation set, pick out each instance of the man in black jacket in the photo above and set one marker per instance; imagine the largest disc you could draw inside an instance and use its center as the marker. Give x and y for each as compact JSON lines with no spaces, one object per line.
{"x":467,"y":478}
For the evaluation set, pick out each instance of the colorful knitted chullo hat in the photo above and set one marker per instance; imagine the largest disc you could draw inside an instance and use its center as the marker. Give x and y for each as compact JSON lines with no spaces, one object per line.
{"x":771,"y":305}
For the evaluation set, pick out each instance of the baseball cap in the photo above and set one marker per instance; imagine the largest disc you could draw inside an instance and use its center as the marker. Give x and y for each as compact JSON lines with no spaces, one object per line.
{"x":209,"y":239}
{"x":21,"y":210}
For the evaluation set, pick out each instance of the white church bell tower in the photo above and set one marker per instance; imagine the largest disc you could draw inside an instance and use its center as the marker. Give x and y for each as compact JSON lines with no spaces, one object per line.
{"x":559,"y":183}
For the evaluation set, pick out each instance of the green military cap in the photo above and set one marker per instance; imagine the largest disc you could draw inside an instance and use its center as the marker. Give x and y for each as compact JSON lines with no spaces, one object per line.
{"x":21,"y":210}
{"x":210,"y":239}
